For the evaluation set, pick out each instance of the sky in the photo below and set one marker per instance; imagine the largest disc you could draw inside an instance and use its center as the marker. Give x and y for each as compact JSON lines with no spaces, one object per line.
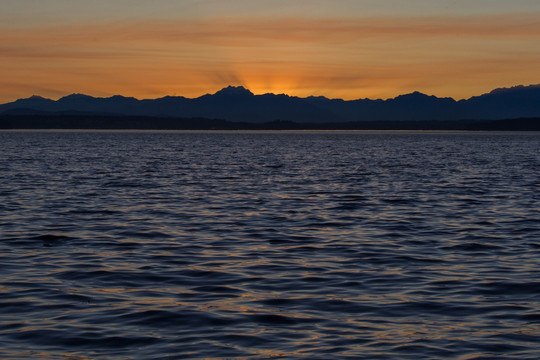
{"x":346,"y":49}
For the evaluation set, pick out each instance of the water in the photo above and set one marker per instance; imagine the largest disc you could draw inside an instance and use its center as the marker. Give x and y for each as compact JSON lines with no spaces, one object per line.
{"x":172,"y":245}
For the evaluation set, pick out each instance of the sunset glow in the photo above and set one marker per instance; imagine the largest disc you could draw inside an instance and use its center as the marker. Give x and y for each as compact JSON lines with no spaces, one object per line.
{"x":354,"y":52}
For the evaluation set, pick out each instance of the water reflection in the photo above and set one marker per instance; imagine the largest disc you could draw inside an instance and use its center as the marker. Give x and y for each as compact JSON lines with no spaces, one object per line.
{"x":269,"y":245}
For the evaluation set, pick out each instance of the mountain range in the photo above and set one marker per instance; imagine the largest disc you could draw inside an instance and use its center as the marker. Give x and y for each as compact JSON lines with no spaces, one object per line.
{"x":240,"y":104}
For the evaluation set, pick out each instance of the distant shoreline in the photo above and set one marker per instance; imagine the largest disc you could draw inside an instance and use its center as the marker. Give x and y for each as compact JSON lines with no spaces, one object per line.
{"x":100,"y":122}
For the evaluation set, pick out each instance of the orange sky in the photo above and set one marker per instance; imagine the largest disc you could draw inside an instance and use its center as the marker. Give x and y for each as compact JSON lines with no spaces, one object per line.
{"x":345,"y":55}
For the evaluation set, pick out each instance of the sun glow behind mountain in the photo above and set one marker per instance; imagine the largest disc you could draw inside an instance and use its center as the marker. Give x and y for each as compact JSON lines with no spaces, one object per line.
{"x":339,"y":49}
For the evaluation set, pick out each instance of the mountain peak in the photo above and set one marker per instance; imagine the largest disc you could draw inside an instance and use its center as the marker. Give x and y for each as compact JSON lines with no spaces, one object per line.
{"x":514,"y":89}
{"x":414,"y":95}
{"x":234,"y":91}
{"x":76,"y":96}
{"x":36,"y":97}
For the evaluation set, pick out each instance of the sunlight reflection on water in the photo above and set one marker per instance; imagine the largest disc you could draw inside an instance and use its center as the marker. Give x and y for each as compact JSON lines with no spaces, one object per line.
{"x":359,"y":245}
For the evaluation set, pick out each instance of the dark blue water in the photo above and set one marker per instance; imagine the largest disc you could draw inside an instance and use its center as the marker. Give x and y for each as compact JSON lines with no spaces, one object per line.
{"x":172,"y":245}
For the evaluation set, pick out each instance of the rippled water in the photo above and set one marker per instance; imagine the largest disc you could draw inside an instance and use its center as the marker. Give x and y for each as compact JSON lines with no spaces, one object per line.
{"x":171,"y":245}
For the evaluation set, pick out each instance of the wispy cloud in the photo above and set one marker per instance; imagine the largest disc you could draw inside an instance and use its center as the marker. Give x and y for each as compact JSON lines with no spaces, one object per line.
{"x":349,"y":57}
{"x":242,"y":32}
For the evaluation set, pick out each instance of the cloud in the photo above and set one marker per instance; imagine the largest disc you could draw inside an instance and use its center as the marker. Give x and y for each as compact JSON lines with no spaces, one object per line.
{"x":249,"y":32}
{"x":220,"y":40}
{"x":348,"y":57}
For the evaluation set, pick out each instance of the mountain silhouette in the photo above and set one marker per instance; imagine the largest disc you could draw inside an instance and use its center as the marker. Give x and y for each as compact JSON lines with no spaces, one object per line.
{"x":233,"y":91}
{"x":236,"y":103}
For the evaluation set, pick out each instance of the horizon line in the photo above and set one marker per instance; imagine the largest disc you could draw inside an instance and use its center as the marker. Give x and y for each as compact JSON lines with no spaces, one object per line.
{"x":276,"y":94}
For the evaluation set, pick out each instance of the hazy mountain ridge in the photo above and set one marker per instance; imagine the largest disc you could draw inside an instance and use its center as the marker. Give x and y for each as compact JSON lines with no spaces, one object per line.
{"x":240,"y":104}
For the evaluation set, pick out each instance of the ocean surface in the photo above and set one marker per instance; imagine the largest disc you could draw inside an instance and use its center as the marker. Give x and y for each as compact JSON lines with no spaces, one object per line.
{"x":257,"y":245}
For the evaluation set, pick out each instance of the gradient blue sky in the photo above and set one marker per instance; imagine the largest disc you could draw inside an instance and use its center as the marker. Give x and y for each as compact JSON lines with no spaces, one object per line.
{"x":339,"y":48}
